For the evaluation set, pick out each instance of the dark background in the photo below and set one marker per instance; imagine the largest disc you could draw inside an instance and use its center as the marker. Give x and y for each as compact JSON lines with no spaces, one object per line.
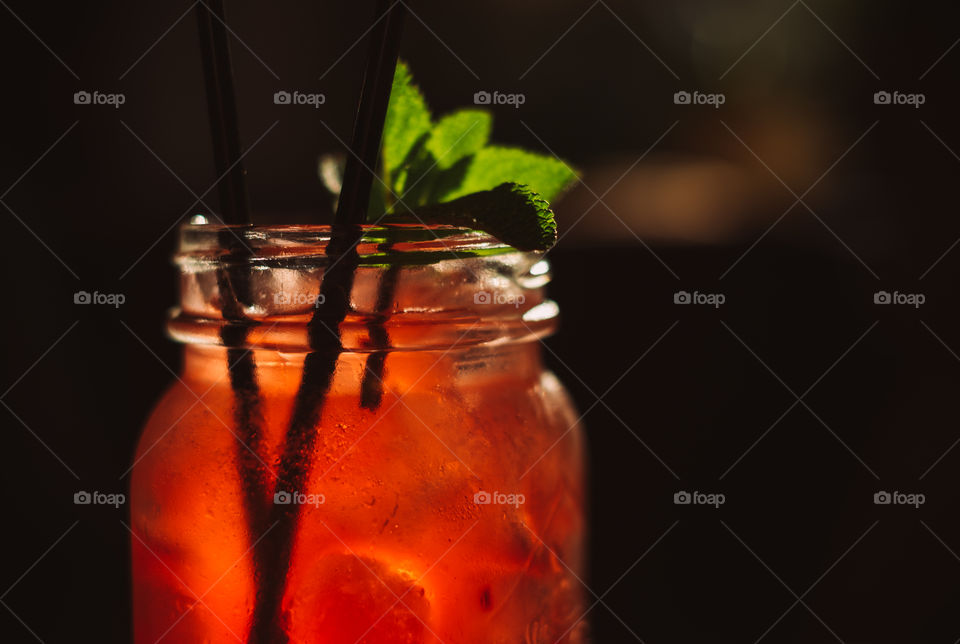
{"x":89,"y":207}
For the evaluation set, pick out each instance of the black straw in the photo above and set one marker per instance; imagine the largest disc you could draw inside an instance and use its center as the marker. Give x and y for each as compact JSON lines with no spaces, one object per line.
{"x":358,"y":180}
{"x":222,"y":104}
{"x":361,"y":167}
{"x":320,"y":364}
{"x":233,"y":276}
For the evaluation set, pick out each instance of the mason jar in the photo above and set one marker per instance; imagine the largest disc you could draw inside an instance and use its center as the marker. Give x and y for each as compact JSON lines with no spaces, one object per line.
{"x":432,"y":491}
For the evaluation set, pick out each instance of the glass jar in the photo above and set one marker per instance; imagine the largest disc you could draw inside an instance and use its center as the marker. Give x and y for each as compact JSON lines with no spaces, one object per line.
{"x":418,"y":478}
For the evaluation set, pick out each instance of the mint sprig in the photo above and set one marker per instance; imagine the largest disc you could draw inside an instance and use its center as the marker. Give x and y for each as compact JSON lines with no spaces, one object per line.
{"x":447,"y":172}
{"x":494,"y":165}
{"x":511,"y":212}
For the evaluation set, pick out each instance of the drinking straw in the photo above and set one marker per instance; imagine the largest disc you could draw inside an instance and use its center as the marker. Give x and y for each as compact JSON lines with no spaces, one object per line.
{"x":371,"y":389}
{"x":324,"y":327}
{"x":222,"y":105}
{"x":358,"y":175}
{"x":233,"y":274}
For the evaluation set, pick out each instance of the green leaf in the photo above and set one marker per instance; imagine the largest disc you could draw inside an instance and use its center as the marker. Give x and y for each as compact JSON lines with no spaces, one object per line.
{"x":511,"y":212}
{"x":408,"y":119}
{"x":447,"y":173}
{"x":425,"y":172}
{"x":458,"y":135}
{"x":494,"y":165}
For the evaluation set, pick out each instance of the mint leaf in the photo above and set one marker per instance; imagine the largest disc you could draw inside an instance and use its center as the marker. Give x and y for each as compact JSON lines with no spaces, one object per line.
{"x":412,"y":182}
{"x":447,"y":173}
{"x":511,"y":212}
{"x":494,"y":165}
{"x":407,"y":122}
{"x":436,"y":163}
{"x":458,"y":135}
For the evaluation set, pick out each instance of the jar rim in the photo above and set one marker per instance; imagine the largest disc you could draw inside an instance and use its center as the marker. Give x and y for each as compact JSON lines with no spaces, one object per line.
{"x":378,"y":244}
{"x":445,"y":280}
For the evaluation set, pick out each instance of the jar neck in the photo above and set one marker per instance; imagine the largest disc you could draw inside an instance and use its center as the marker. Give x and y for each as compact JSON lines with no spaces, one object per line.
{"x":405,"y":288}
